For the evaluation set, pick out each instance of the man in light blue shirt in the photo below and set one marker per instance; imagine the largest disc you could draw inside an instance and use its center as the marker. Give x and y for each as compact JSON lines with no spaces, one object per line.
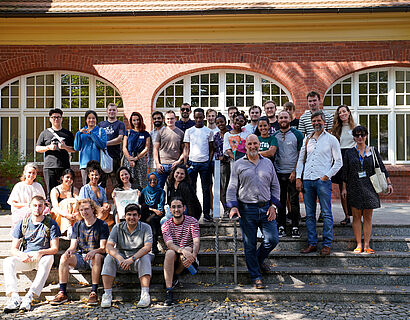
{"x":320,"y":158}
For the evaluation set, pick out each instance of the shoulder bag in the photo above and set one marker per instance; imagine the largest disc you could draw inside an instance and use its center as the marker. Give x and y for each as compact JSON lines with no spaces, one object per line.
{"x":378,"y":180}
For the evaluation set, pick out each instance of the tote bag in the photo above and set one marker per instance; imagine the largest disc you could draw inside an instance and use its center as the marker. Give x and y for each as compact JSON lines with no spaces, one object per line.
{"x":378,"y":180}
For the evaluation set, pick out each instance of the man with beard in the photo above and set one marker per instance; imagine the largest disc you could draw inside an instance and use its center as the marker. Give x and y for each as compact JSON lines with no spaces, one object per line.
{"x":305,"y":122}
{"x":168,"y":148}
{"x":253,"y":194}
{"x":254,"y":114}
{"x":320,"y":158}
{"x":185,"y":123}
{"x":158,"y":122}
{"x":270,"y":111}
{"x":289,"y":143}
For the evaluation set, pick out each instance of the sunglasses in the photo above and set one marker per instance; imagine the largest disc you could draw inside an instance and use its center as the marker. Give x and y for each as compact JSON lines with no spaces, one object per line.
{"x":360,"y":135}
{"x":185,"y":109}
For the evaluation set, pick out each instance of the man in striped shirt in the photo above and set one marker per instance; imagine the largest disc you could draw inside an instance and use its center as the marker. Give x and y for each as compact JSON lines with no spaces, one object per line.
{"x":181,"y":236}
{"x":305,"y":122}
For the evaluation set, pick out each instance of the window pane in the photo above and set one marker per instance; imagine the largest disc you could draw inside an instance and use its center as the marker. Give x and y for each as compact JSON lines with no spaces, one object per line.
{"x":204,"y":78}
{"x":373,"y":131}
{"x":400,"y":138}
{"x":214,"y":78}
{"x":160,"y":102}
{"x":408,"y":136}
{"x":399,"y":75}
{"x":195,"y":79}
{"x":240,"y":78}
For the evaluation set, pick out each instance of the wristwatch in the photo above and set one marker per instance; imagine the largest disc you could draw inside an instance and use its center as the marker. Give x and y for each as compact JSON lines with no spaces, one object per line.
{"x":134,"y":259}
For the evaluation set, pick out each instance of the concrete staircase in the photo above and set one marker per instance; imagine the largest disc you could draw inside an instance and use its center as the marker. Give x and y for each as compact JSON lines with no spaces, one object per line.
{"x":342,"y":276}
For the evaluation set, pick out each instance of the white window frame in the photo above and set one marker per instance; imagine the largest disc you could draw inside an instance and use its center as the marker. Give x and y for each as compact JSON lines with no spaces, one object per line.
{"x":23,"y":112}
{"x":391,"y":109}
{"x":222,"y":86}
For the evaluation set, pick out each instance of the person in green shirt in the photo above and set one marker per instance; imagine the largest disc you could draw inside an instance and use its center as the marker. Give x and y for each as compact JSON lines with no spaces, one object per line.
{"x":269,"y":144}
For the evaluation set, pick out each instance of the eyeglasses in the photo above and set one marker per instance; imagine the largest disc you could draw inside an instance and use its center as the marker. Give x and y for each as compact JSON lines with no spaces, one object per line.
{"x":56,"y":117}
{"x":185,"y":109}
{"x":360,"y":135}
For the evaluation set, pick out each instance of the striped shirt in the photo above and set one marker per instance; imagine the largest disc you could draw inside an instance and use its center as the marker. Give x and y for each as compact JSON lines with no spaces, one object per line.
{"x":305,"y":122}
{"x":183,"y":234}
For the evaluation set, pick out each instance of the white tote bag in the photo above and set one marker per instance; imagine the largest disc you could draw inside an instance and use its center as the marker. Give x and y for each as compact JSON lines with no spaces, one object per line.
{"x":105,"y":159}
{"x":122,"y":198}
{"x":378,"y":180}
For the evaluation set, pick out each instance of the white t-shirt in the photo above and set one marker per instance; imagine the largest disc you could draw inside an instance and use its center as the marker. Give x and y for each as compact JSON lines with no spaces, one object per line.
{"x":199,"y":139}
{"x":250,"y":128}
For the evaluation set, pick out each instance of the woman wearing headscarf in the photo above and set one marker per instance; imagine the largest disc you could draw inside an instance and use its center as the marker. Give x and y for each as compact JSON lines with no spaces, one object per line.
{"x":152,"y":201}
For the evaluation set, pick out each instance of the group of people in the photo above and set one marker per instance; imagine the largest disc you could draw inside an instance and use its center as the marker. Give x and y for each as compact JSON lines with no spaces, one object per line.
{"x":264,"y":165}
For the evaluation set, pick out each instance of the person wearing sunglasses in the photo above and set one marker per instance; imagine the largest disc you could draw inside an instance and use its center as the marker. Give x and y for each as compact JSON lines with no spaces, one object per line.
{"x":185,"y":123}
{"x":56,"y":143}
{"x":358,"y":167}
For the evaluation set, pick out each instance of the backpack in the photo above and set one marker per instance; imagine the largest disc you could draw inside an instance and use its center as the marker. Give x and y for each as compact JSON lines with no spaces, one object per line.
{"x":24,"y":226}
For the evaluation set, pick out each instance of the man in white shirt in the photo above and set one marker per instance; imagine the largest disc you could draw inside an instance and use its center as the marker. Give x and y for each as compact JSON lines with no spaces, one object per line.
{"x":319,"y":159}
{"x":254,"y":114}
{"x":198,"y":154}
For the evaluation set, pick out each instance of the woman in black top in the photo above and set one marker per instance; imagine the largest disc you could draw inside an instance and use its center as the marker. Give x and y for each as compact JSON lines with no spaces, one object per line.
{"x":358,"y":167}
{"x":178,"y":185}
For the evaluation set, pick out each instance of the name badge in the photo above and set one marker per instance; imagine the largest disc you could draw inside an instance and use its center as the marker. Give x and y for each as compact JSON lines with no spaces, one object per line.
{"x":362,"y":174}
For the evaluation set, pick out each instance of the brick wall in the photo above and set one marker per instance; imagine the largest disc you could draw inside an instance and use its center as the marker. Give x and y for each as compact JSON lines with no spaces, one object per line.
{"x":139,"y":71}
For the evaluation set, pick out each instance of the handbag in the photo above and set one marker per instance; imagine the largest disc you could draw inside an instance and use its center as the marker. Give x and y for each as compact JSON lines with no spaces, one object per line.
{"x":106,"y":161}
{"x":378,"y":180}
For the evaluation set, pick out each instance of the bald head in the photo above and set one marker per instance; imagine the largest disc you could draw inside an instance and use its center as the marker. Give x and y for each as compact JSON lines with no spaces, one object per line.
{"x":252,"y":146}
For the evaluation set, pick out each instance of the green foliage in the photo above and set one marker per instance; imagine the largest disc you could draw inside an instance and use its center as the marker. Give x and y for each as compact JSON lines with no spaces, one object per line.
{"x":12,"y":163}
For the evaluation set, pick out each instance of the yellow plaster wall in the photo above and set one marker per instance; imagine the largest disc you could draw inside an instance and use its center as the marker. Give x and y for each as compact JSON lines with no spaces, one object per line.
{"x":206,"y":29}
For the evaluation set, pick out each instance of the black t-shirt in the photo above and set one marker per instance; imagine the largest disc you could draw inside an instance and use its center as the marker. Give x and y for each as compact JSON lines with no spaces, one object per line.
{"x":56,"y":158}
{"x":113,"y":130}
{"x":294,"y":123}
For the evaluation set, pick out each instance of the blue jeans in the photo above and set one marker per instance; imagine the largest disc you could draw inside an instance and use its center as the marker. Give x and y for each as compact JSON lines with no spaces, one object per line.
{"x":314,"y":189}
{"x":162,"y":177}
{"x":252,"y":217}
{"x":203,"y":168}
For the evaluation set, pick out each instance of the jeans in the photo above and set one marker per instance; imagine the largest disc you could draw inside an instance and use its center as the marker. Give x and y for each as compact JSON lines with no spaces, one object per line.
{"x":203,"y":168}
{"x":162,"y":177}
{"x":225,"y":174}
{"x":252,"y":217}
{"x":52,"y":178}
{"x":288,"y":188}
{"x":314,"y":189}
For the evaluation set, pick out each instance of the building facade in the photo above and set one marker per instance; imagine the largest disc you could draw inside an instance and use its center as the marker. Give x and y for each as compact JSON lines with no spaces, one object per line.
{"x":80,"y":58}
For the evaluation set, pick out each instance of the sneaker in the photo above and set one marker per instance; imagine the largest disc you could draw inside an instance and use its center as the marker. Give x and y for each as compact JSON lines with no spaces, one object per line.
{"x":208,"y":218}
{"x":295,"y":232}
{"x":282,"y":232}
{"x":59,"y":298}
{"x":92,"y":299}
{"x":26,"y":303}
{"x":106,"y":300}
{"x":12,"y":304}
{"x":169,"y":298}
{"x":145,"y":301}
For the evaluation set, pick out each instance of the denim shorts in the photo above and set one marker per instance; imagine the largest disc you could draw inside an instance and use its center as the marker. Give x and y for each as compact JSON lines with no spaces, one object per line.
{"x":82,"y":265}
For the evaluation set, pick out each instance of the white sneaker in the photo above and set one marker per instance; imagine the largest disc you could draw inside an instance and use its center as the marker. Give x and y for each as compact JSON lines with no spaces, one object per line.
{"x":26,"y":303}
{"x":106,"y":300}
{"x":12,"y":304}
{"x":145,"y":301}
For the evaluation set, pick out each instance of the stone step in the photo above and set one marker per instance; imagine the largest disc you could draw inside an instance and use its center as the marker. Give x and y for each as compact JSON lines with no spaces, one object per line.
{"x":274,"y":292}
{"x":226,"y":228}
{"x":378,"y":243}
{"x":279,"y":274}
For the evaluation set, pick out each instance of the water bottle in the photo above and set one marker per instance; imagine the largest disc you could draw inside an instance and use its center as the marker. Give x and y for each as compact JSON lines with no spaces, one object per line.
{"x":191,"y":268}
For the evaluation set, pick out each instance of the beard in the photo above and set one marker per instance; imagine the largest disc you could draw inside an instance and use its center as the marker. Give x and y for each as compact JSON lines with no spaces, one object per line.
{"x":157,"y":124}
{"x":253,"y":153}
{"x":318,"y":128}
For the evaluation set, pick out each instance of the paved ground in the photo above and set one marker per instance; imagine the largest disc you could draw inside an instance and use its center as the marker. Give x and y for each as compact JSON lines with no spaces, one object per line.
{"x":220,"y":310}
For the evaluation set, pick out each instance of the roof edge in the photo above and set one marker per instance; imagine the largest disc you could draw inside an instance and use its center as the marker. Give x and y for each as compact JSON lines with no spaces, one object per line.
{"x":5,"y":14}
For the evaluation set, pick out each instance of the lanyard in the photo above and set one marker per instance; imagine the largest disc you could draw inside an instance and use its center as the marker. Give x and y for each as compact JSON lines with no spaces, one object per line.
{"x":360,"y":156}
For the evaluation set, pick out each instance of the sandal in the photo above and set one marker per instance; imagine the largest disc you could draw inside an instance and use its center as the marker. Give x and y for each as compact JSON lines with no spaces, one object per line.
{"x":368,"y":251}
{"x":345,"y":221}
{"x":357,"y":250}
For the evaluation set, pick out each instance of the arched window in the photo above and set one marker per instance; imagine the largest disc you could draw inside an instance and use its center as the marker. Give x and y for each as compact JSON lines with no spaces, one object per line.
{"x":220,"y":89}
{"x":25,"y":102}
{"x":380,"y":100}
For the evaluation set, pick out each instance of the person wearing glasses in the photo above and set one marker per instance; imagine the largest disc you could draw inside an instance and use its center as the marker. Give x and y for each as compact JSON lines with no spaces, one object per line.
{"x":185,"y":123}
{"x":290,"y":142}
{"x":358,"y":167}
{"x":56,"y":143}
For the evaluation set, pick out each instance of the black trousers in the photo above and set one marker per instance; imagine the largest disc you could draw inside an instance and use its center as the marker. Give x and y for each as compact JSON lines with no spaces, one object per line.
{"x":288,"y":188}
{"x":52,"y":178}
{"x":150,"y":217}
